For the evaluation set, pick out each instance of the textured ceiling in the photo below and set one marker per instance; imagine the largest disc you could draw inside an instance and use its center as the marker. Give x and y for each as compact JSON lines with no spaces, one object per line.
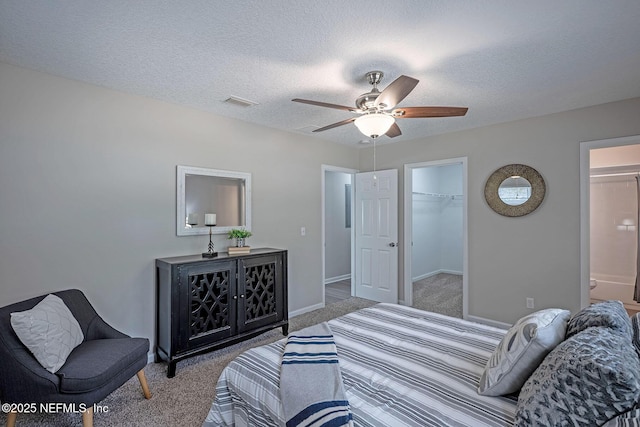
{"x":505,"y":60}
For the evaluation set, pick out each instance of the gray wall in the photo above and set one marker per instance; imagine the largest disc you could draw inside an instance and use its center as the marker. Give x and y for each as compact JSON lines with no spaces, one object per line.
{"x":337,"y":235}
{"x":88,"y":192}
{"x":87,"y":195}
{"x":538,"y":255}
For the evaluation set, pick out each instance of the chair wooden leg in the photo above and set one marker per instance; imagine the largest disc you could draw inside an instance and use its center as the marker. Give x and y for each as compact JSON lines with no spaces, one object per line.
{"x":143,"y":383}
{"x":87,"y":417}
{"x":11,"y":419}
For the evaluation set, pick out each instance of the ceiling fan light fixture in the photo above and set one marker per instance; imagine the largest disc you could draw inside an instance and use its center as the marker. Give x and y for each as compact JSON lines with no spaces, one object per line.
{"x":374,"y":125}
{"x":378,"y":109}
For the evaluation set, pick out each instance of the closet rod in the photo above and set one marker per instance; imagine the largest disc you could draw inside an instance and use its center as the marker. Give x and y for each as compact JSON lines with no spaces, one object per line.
{"x":439,"y":195}
{"x":614,"y":174}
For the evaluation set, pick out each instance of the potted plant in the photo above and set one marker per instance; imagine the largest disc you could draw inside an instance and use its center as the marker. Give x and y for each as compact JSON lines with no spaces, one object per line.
{"x":240,"y":234}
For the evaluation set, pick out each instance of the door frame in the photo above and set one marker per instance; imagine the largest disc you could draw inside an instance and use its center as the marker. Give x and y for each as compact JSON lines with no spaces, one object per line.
{"x":329,"y":168}
{"x":585,"y":206}
{"x":408,"y":228}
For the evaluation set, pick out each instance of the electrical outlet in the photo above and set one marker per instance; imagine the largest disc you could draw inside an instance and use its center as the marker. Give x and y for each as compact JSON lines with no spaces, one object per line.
{"x":530,"y":303}
{"x":303,"y":231}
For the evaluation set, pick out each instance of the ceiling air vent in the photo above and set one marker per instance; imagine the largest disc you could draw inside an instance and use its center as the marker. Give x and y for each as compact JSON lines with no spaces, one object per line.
{"x":241,"y":102}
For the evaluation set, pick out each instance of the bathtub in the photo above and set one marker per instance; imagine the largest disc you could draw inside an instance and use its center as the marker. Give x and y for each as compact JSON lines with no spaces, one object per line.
{"x":609,"y":289}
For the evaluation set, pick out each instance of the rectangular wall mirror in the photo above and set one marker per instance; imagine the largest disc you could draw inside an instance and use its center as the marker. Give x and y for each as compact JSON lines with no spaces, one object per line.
{"x":202,"y":191}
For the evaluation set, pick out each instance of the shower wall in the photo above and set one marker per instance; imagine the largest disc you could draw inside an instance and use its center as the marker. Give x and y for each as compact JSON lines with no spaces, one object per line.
{"x":613,"y":225}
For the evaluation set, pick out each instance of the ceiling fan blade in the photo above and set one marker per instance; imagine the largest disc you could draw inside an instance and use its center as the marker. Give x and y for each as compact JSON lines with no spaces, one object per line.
{"x":396,"y":92}
{"x":335,"y":125}
{"x":325,"y":104}
{"x":393,"y":131}
{"x":418,"y":112}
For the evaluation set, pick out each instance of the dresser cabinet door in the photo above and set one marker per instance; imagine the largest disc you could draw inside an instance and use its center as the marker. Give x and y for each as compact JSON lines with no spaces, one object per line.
{"x":208,"y":301}
{"x":260,"y":291}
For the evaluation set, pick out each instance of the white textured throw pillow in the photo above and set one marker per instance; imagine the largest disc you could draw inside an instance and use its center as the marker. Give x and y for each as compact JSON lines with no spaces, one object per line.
{"x":49,"y":330}
{"x":521,"y":351}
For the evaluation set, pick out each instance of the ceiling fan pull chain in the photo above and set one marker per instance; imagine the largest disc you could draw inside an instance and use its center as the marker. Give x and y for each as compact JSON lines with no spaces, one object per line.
{"x":375,"y":178}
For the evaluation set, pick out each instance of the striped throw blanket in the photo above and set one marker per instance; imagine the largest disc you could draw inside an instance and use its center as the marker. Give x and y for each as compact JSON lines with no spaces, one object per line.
{"x":311,"y":387}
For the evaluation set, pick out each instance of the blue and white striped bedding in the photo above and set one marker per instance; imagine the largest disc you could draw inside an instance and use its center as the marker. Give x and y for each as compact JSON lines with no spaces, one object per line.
{"x":400,"y":367}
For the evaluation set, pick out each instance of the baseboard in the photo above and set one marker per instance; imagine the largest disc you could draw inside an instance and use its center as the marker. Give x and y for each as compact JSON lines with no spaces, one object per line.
{"x":424,"y":276}
{"x":305,"y":310}
{"x":433,"y":273}
{"x":456,"y":272}
{"x":488,"y":322}
{"x":151,"y":357}
{"x":337,"y":279}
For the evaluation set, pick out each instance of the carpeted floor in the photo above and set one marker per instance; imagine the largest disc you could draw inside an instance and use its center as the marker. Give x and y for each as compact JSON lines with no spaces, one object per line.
{"x":441,"y":293}
{"x":185,"y":399}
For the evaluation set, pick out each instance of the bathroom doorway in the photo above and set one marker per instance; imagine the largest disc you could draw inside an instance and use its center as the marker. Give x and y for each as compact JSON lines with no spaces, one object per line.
{"x":435,"y":246}
{"x":610,"y":180}
{"x":337,"y":233}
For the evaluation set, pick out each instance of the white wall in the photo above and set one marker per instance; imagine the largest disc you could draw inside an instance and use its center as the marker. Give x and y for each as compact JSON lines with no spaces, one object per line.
{"x":88,"y":192}
{"x":451,"y":239}
{"x":425,"y":253}
{"x":537,"y":255}
{"x":614,"y":156}
{"x":337,"y":235}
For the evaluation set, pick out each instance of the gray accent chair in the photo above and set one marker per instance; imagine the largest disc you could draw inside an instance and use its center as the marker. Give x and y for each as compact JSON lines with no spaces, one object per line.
{"x":104,"y":361}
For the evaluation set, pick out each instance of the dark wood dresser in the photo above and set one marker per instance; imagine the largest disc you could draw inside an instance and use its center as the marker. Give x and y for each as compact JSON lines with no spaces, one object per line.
{"x":204,"y":304}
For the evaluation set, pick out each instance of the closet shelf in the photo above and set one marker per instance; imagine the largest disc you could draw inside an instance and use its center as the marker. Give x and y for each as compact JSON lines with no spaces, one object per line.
{"x":439,"y":195}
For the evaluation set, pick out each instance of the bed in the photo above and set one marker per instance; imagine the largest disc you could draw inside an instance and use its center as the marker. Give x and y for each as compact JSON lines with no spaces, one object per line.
{"x":400,"y":367}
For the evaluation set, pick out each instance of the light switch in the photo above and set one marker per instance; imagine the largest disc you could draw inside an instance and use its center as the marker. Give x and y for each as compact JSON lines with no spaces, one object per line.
{"x":303,"y":231}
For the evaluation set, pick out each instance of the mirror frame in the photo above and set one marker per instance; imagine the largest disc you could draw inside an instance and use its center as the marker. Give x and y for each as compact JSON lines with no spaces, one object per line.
{"x":181,"y":173}
{"x":538,"y":190}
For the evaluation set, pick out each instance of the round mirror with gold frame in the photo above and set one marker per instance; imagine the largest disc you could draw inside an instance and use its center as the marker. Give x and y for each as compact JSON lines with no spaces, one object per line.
{"x":514,"y":190}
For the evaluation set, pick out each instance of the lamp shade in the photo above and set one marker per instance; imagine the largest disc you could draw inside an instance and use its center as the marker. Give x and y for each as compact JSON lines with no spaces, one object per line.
{"x":374,"y":125}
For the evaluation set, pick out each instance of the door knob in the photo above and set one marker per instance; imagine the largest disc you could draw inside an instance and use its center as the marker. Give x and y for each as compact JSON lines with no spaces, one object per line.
{"x":392,"y":244}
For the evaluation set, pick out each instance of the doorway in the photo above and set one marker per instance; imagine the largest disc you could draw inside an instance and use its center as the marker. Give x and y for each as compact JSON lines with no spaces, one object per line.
{"x":435,"y":240}
{"x":337,"y":233}
{"x":609,"y":220}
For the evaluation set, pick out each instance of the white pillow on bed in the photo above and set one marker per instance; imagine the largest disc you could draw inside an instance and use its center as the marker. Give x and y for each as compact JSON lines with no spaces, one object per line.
{"x":521,"y":351}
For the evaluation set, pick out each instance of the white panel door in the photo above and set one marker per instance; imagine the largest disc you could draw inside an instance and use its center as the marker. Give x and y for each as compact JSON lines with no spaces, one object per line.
{"x":376,"y":200}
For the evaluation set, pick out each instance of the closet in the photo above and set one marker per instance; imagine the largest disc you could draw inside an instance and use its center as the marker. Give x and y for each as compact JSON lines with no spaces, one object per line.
{"x":437,"y":217}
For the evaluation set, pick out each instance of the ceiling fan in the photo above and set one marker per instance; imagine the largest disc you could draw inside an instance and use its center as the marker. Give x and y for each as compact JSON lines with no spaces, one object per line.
{"x":377,"y":109}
